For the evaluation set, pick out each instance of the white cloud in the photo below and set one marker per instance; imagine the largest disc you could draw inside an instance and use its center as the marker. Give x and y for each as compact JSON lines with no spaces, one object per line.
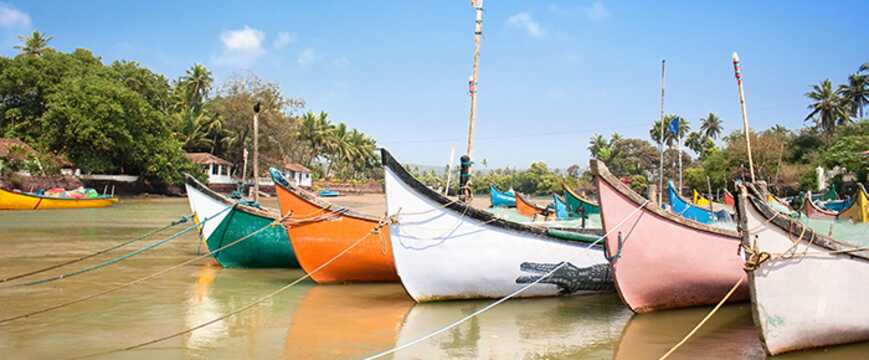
{"x":283,"y":40}
{"x":597,"y":11}
{"x":241,"y":47}
{"x":523,"y":20}
{"x":307,"y":57}
{"x":341,"y":62}
{"x":10,"y":17}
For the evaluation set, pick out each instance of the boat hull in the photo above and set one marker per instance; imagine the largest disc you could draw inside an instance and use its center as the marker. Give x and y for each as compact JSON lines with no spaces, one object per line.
{"x":446,"y":250}
{"x":812,"y":211}
{"x":317,"y":242}
{"x":575,"y":202}
{"x":858,"y":211}
{"x":501,"y":199}
{"x":526,"y":208}
{"x":270,"y":248}
{"x":17,"y":201}
{"x":728,"y":199}
{"x":665,"y":261}
{"x":806,"y":301}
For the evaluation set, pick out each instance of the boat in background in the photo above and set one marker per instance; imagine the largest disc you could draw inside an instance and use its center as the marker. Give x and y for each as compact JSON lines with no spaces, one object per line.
{"x":229,"y":221}
{"x":577,"y":203}
{"x":858,"y":211}
{"x":446,"y":250}
{"x":700,"y":200}
{"x":527,"y":208}
{"x":328,"y":193}
{"x":829,"y":195}
{"x":805,"y":287}
{"x":319,"y":231}
{"x":16,"y":200}
{"x":812,"y":211}
{"x":501,"y":199}
{"x":661,"y":260}
{"x":561,"y":212}
{"x":728,"y":199}
{"x":682,"y":207}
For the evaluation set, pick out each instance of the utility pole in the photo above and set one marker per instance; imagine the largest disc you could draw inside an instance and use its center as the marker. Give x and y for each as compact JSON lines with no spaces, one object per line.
{"x":472,"y":83}
{"x":256,"y":109}
{"x":661,"y":137}
{"x":737,"y":68}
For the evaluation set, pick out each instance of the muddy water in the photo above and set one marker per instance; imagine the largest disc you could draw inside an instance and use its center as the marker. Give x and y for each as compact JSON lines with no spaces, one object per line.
{"x":307,"y":321}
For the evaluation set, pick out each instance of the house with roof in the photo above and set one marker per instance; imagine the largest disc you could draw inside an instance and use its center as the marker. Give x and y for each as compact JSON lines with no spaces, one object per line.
{"x":219,"y":171}
{"x":297,"y":174}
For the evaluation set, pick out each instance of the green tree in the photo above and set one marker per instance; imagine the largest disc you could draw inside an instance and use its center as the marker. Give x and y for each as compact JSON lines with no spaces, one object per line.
{"x":855,"y":94}
{"x":711,"y":126}
{"x":847,"y":151}
{"x":193,"y":87}
{"x":828,"y":110}
{"x":34,"y":44}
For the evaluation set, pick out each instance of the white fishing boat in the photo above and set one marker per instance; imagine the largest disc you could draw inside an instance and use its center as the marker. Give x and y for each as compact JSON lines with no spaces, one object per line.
{"x":807,"y":290}
{"x":446,"y":249}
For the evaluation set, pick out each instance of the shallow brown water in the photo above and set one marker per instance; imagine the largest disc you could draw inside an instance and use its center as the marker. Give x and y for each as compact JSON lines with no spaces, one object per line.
{"x":306,"y":321}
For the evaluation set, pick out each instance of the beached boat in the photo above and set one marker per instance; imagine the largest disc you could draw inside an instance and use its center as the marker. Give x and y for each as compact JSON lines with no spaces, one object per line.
{"x":807,"y":289}
{"x":527,"y":208}
{"x":560,"y":206}
{"x":575,"y":202}
{"x":501,"y":199}
{"x":684,"y":208}
{"x":328,"y":193}
{"x":661,"y":260}
{"x":829,"y":195}
{"x":812,"y":211}
{"x":446,"y":249}
{"x":728,"y":199}
{"x":319,"y":231}
{"x":229,"y":221}
{"x":700,"y":200}
{"x":858,"y":211}
{"x":14,"y":200}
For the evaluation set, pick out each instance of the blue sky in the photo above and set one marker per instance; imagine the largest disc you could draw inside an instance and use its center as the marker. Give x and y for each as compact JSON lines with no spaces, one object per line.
{"x":552,"y":73}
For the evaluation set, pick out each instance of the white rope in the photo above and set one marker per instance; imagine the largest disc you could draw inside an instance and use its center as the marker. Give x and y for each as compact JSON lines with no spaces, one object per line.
{"x":509,"y":296}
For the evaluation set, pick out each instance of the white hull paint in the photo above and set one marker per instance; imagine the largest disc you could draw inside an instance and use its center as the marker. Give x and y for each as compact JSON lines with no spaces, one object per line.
{"x":206,"y":207}
{"x":808,"y":301}
{"x":442,"y":254}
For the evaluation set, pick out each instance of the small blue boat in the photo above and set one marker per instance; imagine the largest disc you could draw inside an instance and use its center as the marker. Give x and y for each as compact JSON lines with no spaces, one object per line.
{"x":685,"y":209}
{"x":501,"y":199}
{"x":561,"y":212}
{"x":328,"y":193}
{"x":835,"y":205}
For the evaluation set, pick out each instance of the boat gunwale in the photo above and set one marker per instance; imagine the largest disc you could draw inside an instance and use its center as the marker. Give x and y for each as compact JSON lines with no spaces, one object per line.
{"x":324,"y":205}
{"x":600,"y":170}
{"x":808,"y":202}
{"x":861,"y":191}
{"x":581,"y":198}
{"x":524,"y":200}
{"x":42,"y":197}
{"x":486,"y":217}
{"x":796,"y":228}
{"x":264,"y":212}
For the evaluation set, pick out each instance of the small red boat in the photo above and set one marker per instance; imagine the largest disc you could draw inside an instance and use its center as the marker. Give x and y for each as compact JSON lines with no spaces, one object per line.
{"x":812,"y":211}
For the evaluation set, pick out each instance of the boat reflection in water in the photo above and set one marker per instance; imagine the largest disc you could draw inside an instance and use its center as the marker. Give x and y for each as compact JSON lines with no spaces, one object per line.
{"x":569,"y":327}
{"x":346,"y":321}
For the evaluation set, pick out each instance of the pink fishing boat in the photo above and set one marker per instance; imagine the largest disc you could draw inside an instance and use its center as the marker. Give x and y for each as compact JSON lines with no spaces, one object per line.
{"x":661,"y":260}
{"x":812,"y":211}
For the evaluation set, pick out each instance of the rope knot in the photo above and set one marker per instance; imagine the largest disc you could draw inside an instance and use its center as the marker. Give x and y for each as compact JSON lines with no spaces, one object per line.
{"x":755,"y":257}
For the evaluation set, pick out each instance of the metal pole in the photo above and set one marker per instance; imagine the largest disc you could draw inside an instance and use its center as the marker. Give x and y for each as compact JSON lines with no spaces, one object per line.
{"x":737,"y":68}
{"x":661,"y":137}
{"x":256,"y":109}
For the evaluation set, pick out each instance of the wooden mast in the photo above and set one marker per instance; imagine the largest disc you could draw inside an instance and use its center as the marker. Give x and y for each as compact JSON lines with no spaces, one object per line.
{"x":661,"y":137}
{"x":737,"y":68}
{"x":472,"y":82}
{"x":256,"y":109}
{"x":450,"y":170}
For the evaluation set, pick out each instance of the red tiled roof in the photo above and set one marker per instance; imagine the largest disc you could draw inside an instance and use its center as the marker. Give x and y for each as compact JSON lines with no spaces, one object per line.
{"x":295,"y":167}
{"x":206,"y":158}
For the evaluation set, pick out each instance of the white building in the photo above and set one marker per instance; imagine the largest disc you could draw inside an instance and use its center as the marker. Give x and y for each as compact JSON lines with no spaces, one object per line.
{"x":297,"y":174}
{"x":219,"y":171}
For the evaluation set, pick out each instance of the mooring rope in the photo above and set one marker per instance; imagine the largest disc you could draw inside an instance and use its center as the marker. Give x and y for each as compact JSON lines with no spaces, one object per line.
{"x":146,"y":235}
{"x":133,"y":282}
{"x":503,"y":299}
{"x":268,"y":296}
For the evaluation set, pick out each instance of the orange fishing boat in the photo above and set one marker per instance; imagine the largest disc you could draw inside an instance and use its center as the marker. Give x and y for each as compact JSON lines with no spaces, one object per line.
{"x":527,"y":208}
{"x":320,"y":231}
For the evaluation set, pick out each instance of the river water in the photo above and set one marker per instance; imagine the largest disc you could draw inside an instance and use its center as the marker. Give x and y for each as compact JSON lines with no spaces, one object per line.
{"x":306,"y":321}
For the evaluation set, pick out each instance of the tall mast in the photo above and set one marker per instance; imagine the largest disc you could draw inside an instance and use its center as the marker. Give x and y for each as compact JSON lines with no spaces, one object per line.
{"x":737,"y":68}
{"x":256,"y":109}
{"x":661,"y":137}
{"x":472,"y":81}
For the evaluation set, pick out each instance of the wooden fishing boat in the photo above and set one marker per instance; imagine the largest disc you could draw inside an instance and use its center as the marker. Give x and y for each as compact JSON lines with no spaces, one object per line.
{"x":700,"y":200}
{"x":858,"y":211}
{"x":684,"y":208}
{"x":14,"y":200}
{"x":661,"y":260}
{"x":829,"y":195}
{"x":812,"y":211}
{"x":446,"y":249}
{"x":320,"y":231}
{"x":501,"y":199}
{"x":560,"y":206}
{"x":229,"y":220}
{"x":575,"y":202}
{"x":806,"y":288}
{"x":728,"y":199}
{"x":527,"y":208}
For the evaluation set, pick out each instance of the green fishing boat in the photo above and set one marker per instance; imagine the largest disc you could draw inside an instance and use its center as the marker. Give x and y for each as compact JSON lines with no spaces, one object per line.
{"x":229,"y":221}
{"x":575,"y":202}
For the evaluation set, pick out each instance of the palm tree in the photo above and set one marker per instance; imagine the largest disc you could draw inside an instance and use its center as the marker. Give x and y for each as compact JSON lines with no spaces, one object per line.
{"x":864,"y":67}
{"x":194,"y":86}
{"x":35,"y":44}
{"x":710,"y":126}
{"x":596,"y":145}
{"x":828,"y":109}
{"x":669,"y":137}
{"x":855,"y":94}
{"x":316,"y":130}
